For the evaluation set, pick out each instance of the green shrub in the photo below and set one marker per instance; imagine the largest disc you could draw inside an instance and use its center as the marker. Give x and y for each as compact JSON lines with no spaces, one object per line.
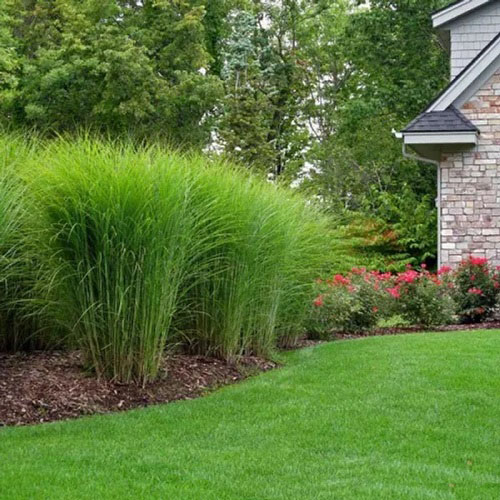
{"x":351,"y":303}
{"x":361,"y":300}
{"x":476,"y":289}
{"x":423,"y":299}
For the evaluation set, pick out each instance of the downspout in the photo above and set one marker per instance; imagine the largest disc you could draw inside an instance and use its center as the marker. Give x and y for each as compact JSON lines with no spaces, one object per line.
{"x":415,"y":157}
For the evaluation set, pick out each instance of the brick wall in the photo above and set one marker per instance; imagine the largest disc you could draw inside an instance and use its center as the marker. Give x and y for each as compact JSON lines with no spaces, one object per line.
{"x":470,"y":185}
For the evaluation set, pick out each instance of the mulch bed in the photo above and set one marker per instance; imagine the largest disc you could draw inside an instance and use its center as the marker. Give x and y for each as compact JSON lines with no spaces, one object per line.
{"x":47,"y":386}
{"x":489,"y":325}
{"x":43,"y":387}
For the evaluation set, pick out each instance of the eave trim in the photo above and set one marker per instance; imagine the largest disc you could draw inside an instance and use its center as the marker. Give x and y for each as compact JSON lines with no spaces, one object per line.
{"x":468,"y":138}
{"x":456,"y":10}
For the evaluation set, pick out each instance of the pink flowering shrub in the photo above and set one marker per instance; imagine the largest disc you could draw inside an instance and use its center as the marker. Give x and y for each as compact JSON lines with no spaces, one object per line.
{"x":350,"y":303}
{"x":424,"y":298}
{"x":359,"y":300}
{"x":476,"y":290}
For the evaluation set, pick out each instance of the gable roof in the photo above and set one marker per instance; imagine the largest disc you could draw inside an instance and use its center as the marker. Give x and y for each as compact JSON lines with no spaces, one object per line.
{"x":455,"y":10}
{"x":449,"y":120}
{"x":470,"y":79}
{"x":442,"y":114}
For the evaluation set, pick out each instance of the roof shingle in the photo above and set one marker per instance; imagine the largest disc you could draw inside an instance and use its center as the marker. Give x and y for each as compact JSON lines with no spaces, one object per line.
{"x":449,"y":120}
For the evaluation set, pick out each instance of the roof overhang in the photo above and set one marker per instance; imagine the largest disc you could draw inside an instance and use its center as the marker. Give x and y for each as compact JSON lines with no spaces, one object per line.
{"x":456,"y":10}
{"x":429,"y":146}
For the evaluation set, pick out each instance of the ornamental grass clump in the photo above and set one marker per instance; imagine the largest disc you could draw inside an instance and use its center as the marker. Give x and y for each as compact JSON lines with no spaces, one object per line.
{"x":19,"y":328}
{"x":264,"y":246}
{"x":476,"y":290}
{"x":139,"y":249}
{"x":116,"y":235}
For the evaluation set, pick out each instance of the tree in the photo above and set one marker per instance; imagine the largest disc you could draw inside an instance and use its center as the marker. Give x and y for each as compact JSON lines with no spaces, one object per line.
{"x":395,"y":66}
{"x":134,"y":67}
{"x":261,"y":122}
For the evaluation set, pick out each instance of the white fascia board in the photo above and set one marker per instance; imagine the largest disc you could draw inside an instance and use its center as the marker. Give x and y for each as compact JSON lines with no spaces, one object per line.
{"x":440,"y":138}
{"x":454,"y":11}
{"x":468,"y":82}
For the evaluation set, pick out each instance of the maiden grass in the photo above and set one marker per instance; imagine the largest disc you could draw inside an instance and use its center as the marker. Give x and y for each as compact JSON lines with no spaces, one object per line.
{"x":142,"y":248}
{"x":18,"y":328}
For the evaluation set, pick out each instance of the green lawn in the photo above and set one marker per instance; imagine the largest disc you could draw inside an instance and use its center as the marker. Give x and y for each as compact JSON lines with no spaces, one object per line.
{"x":404,"y":417}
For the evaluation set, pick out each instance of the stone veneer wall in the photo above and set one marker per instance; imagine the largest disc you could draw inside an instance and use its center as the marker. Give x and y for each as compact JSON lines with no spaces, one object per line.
{"x":470,"y":185}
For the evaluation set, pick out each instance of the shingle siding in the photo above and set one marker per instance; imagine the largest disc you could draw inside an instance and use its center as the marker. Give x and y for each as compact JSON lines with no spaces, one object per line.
{"x":470,"y":34}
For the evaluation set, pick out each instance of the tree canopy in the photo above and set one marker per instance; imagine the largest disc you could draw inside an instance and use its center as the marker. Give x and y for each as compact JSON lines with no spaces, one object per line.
{"x":303,"y":92}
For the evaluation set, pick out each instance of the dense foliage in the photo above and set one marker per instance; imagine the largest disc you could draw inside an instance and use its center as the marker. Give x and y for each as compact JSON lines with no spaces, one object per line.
{"x":304,"y":92}
{"x":361,"y":300}
{"x":476,"y":290}
{"x":110,"y":65}
{"x":124,"y":251}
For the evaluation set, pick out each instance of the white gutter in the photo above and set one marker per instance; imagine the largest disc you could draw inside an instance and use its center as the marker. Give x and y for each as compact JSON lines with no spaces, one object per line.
{"x":440,"y":138}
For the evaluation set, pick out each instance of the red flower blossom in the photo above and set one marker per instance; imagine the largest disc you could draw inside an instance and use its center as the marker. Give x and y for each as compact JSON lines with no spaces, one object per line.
{"x":395,"y":292}
{"x":341,"y":280}
{"x":475,"y":291}
{"x":384,"y":276}
{"x":477,"y":261}
{"x":408,"y":276}
{"x":444,"y":270}
{"x":319,"y":301}
{"x":423,"y":266}
{"x":375,"y":309}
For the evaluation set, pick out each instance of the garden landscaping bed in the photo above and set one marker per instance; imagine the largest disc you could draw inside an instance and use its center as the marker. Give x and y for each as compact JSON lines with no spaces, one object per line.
{"x":489,"y":325}
{"x":43,"y":387}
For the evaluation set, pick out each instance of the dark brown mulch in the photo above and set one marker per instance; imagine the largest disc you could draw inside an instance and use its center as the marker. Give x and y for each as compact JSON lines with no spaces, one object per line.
{"x":302,"y":343}
{"x":43,"y":387}
{"x":489,"y":325}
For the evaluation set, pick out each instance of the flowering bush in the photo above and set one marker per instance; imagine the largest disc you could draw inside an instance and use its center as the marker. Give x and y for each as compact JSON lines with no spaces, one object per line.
{"x":361,"y":299}
{"x":351,"y":303}
{"x":348,"y":303}
{"x":424,"y":298}
{"x":476,"y":290}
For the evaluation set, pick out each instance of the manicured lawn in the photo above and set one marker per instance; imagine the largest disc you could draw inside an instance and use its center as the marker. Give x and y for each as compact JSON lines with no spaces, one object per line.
{"x":407,"y":417}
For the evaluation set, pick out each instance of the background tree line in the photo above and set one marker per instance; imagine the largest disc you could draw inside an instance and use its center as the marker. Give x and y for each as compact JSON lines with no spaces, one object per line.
{"x":303,"y":92}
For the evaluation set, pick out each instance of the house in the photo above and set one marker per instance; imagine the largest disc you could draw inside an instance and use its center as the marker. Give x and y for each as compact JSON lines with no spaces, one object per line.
{"x":459,"y":132}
